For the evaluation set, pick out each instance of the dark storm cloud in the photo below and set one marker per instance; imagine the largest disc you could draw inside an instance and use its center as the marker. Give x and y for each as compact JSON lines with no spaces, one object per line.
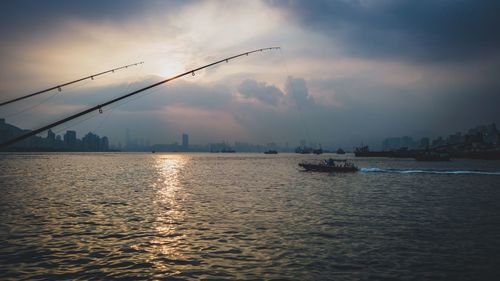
{"x":269,"y":94}
{"x":298,"y":92}
{"x":33,"y":17}
{"x":406,"y":29}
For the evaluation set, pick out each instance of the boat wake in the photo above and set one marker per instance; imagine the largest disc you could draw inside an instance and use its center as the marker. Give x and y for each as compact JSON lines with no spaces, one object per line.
{"x":429,"y":171}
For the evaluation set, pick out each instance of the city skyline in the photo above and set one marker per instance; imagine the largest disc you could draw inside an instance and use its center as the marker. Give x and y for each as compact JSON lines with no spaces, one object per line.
{"x":486,"y":134}
{"x":53,"y":141}
{"x":383,"y":144}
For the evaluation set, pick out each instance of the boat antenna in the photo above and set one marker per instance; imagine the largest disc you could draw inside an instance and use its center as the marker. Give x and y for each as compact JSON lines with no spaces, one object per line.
{"x":59,"y":87}
{"x":100,"y":106}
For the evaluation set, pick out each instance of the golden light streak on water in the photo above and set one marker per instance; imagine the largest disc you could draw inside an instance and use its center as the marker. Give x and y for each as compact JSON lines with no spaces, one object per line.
{"x":169,"y":209}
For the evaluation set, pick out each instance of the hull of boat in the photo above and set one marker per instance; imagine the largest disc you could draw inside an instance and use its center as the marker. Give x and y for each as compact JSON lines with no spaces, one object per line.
{"x":327,"y":169}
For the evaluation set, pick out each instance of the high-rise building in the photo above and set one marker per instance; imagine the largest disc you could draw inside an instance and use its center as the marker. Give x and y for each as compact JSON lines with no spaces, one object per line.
{"x":127,"y":137}
{"x":104,"y":144}
{"x":51,"y":136}
{"x":424,"y":143}
{"x":392,"y":143}
{"x":185,"y":141}
{"x":91,"y":142}
{"x":70,"y":139}
{"x":51,"y":139}
{"x":454,"y":139}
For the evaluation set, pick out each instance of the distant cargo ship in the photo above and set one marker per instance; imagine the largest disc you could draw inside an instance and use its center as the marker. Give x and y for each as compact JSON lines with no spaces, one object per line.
{"x":364,"y":151}
{"x":318,"y":151}
{"x":403,"y":152}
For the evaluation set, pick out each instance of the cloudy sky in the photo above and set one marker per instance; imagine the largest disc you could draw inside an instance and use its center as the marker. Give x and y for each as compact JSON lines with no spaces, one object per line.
{"x":349,"y":71}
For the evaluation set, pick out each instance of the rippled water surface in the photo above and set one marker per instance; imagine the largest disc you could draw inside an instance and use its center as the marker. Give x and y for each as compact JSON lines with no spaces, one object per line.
{"x":246,"y":216}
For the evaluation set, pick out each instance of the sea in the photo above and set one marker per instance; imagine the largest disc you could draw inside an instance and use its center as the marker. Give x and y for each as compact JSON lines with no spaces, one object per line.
{"x":236,"y":216}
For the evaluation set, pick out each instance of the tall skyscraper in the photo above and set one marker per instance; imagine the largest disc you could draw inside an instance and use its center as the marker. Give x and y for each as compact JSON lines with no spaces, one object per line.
{"x":127,"y":137}
{"x":91,"y":142}
{"x":104,"y":144}
{"x":70,"y":139}
{"x":51,"y":136}
{"x":185,"y":141}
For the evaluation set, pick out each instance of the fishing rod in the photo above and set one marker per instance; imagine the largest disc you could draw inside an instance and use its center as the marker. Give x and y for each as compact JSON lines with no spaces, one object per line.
{"x":59,"y":87}
{"x":100,"y":106}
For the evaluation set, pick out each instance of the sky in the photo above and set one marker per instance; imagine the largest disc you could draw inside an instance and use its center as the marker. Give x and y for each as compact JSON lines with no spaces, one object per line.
{"x":349,"y":72}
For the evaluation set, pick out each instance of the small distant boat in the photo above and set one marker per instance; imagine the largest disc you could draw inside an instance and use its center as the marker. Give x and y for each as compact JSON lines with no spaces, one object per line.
{"x":329,"y":166}
{"x":228,"y":150}
{"x":271,"y":152}
{"x":432,"y":156}
{"x":340,"y":151}
{"x":318,"y":151}
{"x":303,"y":150}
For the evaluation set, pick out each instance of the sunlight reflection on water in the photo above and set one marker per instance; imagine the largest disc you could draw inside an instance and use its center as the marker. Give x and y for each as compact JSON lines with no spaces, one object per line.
{"x":169,"y":212}
{"x":242,"y":216}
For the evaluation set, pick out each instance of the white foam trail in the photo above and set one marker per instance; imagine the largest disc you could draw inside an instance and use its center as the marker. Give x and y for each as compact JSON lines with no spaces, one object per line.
{"x":449,"y":172}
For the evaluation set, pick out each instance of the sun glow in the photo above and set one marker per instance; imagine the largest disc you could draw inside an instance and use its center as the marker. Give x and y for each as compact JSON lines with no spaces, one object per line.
{"x":170,"y":69}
